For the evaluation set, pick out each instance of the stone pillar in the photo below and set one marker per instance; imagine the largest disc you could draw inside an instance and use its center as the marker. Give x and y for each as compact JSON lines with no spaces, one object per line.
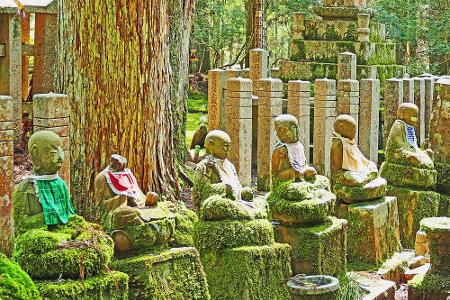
{"x":217,"y":79}
{"x":45,"y":53}
{"x":440,"y":124}
{"x":259,"y":66}
{"x":11,"y":66}
{"x":52,"y":112}
{"x":419,"y":100}
{"x":408,"y":90}
{"x":393,"y":97}
{"x":429,"y":95}
{"x":270,"y":94}
{"x":25,"y":24}
{"x":324,"y":116}
{"x":346,"y":67}
{"x":363,"y":27}
{"x":348,"y":99}
{"x":299,"y":93}
{"x":238,"y":108}
{"x":6,"y":172}
{"x":299,"y":25}
{"x":369,"y":106}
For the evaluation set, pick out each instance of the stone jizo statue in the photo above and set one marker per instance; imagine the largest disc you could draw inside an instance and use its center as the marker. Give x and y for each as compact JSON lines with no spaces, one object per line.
{"x":402,"y":146}
{"x":128,"y":214}
{"x":288,"y":159}
{"x":354,"y":177}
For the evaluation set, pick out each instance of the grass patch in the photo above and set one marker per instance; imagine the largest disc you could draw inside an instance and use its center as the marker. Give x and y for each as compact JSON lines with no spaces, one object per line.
{"x":197,"y":102}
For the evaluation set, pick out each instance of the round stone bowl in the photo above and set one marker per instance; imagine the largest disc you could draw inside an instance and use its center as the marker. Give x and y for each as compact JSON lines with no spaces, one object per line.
{"x":317,"y":287}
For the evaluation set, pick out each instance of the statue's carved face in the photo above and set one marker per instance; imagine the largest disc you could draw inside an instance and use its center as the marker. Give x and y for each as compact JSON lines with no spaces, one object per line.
{"x":346,"y":126}
{"x":287,"y":132}
{"x":46,"y":154}
{"x":410,"y":116}
{"x":220,"y":148}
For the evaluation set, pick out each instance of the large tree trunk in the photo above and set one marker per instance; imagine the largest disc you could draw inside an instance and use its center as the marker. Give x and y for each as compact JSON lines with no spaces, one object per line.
{"x":115,"y":67}
{"x":181,"y":13}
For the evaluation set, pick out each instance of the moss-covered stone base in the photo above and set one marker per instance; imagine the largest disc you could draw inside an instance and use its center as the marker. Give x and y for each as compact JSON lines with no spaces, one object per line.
{"x":15,"y":283}
{"x":438,"y":235}
{"x":112,"y":286}
{"x":251,"y":272}
{"x":373,"y":231}
{"x":444,"y":206}
{"x":413,"y":206}
{"x":408,"y":176}
{"x":173,"y":274}
{"x":429,"y":287}
{"x":320,"y":249}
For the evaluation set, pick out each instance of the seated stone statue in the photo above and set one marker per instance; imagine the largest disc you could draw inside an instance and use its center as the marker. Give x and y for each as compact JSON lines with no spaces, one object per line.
{"x":52,"y":240}
{"x":354,"y":178}
{"x":402,"y":146}
{"x":134,"y":220}
{"x":217,"y":184}
{"x":299,"y":195}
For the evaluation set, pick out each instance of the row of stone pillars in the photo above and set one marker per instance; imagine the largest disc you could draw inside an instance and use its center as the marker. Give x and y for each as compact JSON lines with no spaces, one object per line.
{"x":50,"y":112}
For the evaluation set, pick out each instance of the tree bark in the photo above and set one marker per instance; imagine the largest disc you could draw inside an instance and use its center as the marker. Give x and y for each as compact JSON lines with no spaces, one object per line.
{"x":181,"y":15}
{"x":114,"y":64}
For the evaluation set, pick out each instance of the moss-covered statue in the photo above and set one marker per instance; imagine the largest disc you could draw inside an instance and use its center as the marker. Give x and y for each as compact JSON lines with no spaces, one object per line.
{"x":135,"y":221}
{"x":406,"y":164}
{"x":52,"y":241}
{"x":354,"y":177}
{"x":298,"y":195}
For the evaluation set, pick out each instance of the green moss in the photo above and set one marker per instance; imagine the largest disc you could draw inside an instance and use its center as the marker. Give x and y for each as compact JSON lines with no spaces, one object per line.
{"x":444,"y":206}
{"x":71,"y":249}
{"x":413,"y":206}
{"x":408,"y":176}
{"x":184,"y":227}
{"x":297,"y":49}
{"x":113,"y":285}
{"x":319,"y":249}
{"x":217,"y":235}
{"x":173,"y":274}
{"x":252,"y":272}
{"x":430,"y":286}
{"x":15,"y":283}
{"x":217,"y":207}
{"x":443,"y":177}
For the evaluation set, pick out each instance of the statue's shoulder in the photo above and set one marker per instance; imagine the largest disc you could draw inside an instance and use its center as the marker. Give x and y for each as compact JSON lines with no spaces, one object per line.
{"x":25,"y":186}
{"x":280,"y":149}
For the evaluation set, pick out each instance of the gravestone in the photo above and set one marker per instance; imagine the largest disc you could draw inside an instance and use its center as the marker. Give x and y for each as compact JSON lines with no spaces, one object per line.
{"x":369,"y":107}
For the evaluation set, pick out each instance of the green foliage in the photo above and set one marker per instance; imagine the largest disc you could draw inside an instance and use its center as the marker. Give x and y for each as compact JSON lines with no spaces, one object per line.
{"x":15,"y":283}
{"x":349,"y":288}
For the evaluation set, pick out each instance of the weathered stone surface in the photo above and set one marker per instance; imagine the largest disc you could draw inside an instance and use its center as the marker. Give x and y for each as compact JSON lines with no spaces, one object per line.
{"x":299,"y":93}
{"x":346,"y":66}
{"x":419,"y":100}
{"x":259,"y":66}
{"x":369,"y":106}
{"x":393,"y":268}
{"x":438,"y":236}
{"x":373,"y":230}
{"x":348,"y":99}
{"x":429,"y":95}
{"x":324,"y":124}
{"x":45,"y":53}
{"x":52,"y":112}
{"x":175,"y":273}
{"x":363,"y":27}
{"x":413,"y":206}
{"x":393,"y":97}
{"x":216,"y":102}
{"x":299,"y":25}
{"x":345,"y":3}
{"x":429,"y":287}
{"x":269,"y":106}
{"x":6,"y":173}
{"x":408,"y":90}
{"x":319,"y":249}
{"x":408,"y":176}
{"x":376,"y":288}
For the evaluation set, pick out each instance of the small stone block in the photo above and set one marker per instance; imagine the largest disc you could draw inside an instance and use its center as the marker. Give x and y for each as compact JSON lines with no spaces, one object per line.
{"x":6,"y":148}
{"x":325,"y":86}
{"x":318,"y":249}
{"x":373,"y":232}
{"x":239,"y":84}
{"x":346,"y":66}
{"x":408,"y":90}
{"x":299,"y":86}
{"x":51,"y":106}
{"x":438,"y":235}
{"x":394,"y":267}
{"x":6,"y":109}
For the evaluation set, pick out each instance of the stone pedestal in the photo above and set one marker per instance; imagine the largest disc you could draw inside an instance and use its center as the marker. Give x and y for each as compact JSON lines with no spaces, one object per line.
{"x":112,"y":286}
{"x":348,"y":99}
{"x":318,"y":249}
{"x":324,"y":117}
{"x":299,"y":93}
{"x":369,"y":106}
{"x":216,"y":102}
{"x":270,"y":93}
{"x":249,"y":272}
{"x":393,"y":97}
{"x":373,"y":230}
{"x":176,"y":273}
{"x":6,"y":172}
{"x":238,"y":108}
{"x":413,"y":206}
{"x":11,"y":66}
{"x":45,"y":53}
{"x":438,"y":236}
{"x":419,"y":100}
{"x":52,"y":112}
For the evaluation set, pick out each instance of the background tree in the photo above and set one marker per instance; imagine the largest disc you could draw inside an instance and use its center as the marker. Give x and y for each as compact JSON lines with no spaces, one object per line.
{"x":115,"y":67}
